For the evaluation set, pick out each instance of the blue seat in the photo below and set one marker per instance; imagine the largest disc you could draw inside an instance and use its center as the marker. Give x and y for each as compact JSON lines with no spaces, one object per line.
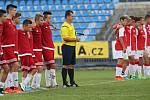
{"x":78,"y":13}
{"x":53,"y":7}
{"x":46,"y":8}
{"x":57,"y":2}
{"x":39,"y":8}
{"x":86,"y":13}
{"x":76,"y":25}
{"x":75,"y":7}
{"x":79,"y":2}
{"x":88,"y":19}
{"x":93,"y":31}
{"x":93,"y":1}
{"x":32,"y":8}
{"x":29,"y":3}
{"x":100,"y":13}
{"x":25,"y":8}
{"x":95,"y":19}
{"x":107,"y":1}
{"x":83,"y":25}
{"x":96,"y":7}
{"x":93,"y":13}
{"x":80,"y":19}
{"x":43,"y":2}
{"x":90,"y":38}
{"x":82,"y":7}
{"x":15,"y":2}
{"x":67,"y":7}
{"x":99,"y":1}
{"x":8,"y":2}
{"x":22,"y":3}
{"x":103,"y":18}
{"x":89,"y":7}
{"x":72,"y":2}
{"x":50,"y":2}
{"x":86,"y":1}
{"x":60,"y":7}
{"x":19,"y":8}
{"x":1,"y":3}
{"x":103,"y":7}
{"x":98,"y":25}
{"x":64,"y":2}
{"x":107,"y":12}
{"x":36,"y":2}
{"x":58,"y":19}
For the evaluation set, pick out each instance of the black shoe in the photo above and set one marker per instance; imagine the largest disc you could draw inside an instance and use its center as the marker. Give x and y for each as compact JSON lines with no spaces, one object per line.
{"x":74,"y":85}
{"x":1,"y":92}
{"x":66,"y":85}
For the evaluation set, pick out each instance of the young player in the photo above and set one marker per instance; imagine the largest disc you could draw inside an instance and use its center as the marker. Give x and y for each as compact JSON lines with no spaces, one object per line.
{"x":16,"y":20}
{"x":48,"y":51}
{"x":147,"y":50}
{"x":37,"y":48}
{"x":120,"y":47}
{"x":8,"y":46}
{"x":25,"y":53}
{"x":5,"y":72}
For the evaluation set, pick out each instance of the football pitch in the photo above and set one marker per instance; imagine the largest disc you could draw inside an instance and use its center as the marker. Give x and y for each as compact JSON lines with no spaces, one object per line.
{"x":94,"y":85}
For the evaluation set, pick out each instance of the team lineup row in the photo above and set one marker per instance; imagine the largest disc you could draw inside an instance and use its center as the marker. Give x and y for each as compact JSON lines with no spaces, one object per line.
{"x":132,"y":47}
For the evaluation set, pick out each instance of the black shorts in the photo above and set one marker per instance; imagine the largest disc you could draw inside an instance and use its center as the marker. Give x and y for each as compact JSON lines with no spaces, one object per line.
{"x":68,"y":55}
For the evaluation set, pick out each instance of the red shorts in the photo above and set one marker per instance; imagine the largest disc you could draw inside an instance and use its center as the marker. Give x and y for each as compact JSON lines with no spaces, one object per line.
{"x":27,"y":63}
{"x":48,"y":56}
{"x":38,"y":58}
{"x":9,"y":56}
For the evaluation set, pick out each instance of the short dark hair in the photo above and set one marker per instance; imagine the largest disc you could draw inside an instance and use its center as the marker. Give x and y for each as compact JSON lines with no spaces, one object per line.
{"x":68,"y":12}
{"x":147,"y":16}
{"x":45,"y":13}
{"x":123,"y":18}
{"x":27,"y":22}
{"x":2,"y":12}
{"x":138,"y":19}
{"x":18,"y":14}
{"x":10,"y":6}
{"x":37,"y":16}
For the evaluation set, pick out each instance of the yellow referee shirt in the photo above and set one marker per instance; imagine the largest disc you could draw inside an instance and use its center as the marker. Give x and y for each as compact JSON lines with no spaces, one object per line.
{"x":68,"y":31}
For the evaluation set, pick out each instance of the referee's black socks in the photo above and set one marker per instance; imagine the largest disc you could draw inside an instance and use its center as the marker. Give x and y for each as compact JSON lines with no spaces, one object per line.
{"x":71,"y":75}
{"x":64,"y":75}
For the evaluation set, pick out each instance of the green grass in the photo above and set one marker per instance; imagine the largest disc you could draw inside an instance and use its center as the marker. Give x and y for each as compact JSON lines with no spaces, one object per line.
{"x":94,"y":85}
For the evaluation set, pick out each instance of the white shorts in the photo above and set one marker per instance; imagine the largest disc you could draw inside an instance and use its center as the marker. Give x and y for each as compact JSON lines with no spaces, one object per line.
{"x":140,"y":53}
{"x":121,"y":54}
{"x":148,"y":50}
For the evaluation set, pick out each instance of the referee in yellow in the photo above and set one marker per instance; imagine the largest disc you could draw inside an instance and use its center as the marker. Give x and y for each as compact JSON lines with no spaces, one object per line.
{"x":69,"y":40}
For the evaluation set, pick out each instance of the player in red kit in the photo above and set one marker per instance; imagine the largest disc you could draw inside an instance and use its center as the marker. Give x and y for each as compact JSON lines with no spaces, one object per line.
{"x":6,"y":71}
{"x":37,"y":48}
{"x":8,"y":46}
{"x":48,"y":51}
{"x":25,"y":53}
{"x":120,"y":47}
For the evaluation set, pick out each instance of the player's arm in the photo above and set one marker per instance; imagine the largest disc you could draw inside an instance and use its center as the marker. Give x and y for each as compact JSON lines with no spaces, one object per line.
{"x":65,"y":36}
{"x":121,"y":36}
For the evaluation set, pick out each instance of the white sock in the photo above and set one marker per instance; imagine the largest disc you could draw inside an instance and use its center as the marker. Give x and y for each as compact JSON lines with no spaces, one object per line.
{"x":47,"y":78}
{"x":11,"y":82}
{"x":15,"y":78}
{"x":126,"y":71}
{"x":38,"y":80}
{"x":134,"y":69}
{"x":53,"y":77}
{"x":34,"y":80}
{"x":7,"y":82}
{"x":131,"y":70}
{"x":118,"y":70}
{"x":139,"y":70}
{"x":145,"y":70}
{"x":2,"y":85}
{"x":148,"y":71}
{"x":27,"y":80}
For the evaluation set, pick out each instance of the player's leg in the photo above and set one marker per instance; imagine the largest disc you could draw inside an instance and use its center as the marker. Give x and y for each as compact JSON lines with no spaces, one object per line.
{"x":146,"y":63}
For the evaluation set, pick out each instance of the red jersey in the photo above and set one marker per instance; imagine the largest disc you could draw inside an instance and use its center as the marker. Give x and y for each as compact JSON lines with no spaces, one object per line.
{"x":37,"y":37}
{"x":1,"y":31}
{"x":25,"y":43}
{"x":133,"y":38}
{"x":147,"y":27}
{"x":128,"y":33}
{"x":9,"y":34}
{"x":141,"y":39}
{"x":120,"y":33}
{"x":47,"y":36}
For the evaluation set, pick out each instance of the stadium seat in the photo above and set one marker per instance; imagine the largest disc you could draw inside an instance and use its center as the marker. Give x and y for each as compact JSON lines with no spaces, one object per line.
{"x":86,"y":1}
{"x":88,"y":19}
{"x":93,"y":31}
{"x":15,"y":2}
{"x":103,"y":7}
{"x":8,"y":2}
{"x":90,"y":38}
{"x":99,"y":1}
{"x":36,"y":3}
{"x":67,"y":7}
{"x":96,"y":7}
{"x":53,"y":7}
{"x":25,"y":8}
{"x":107,"y":1}
{"x":64,"y":2}
{"x":43,"y":2}
{"x":89,"y":7}
{"x":38,"y":8}
{"x":22,"y":3}
{"x":75,"y":7}
{"x":72,"y":2}
{"x":83,"y":25}
{"x":57,"y":2}
{"x":29,"y":3}
{"x":58,"y":39}
{"x":79,"y":2}
{"x":78,"y":13}
{"x":32,"y":8}
{"x":46,"y":8}
{"x":98,"y":25}
{"x":50,"y":2}
{"x":77,"y":25}
{"x":82,"y":7}
{"x":93,"y":1}
{"x":1,"y":3}
{"x":107,"y":12}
